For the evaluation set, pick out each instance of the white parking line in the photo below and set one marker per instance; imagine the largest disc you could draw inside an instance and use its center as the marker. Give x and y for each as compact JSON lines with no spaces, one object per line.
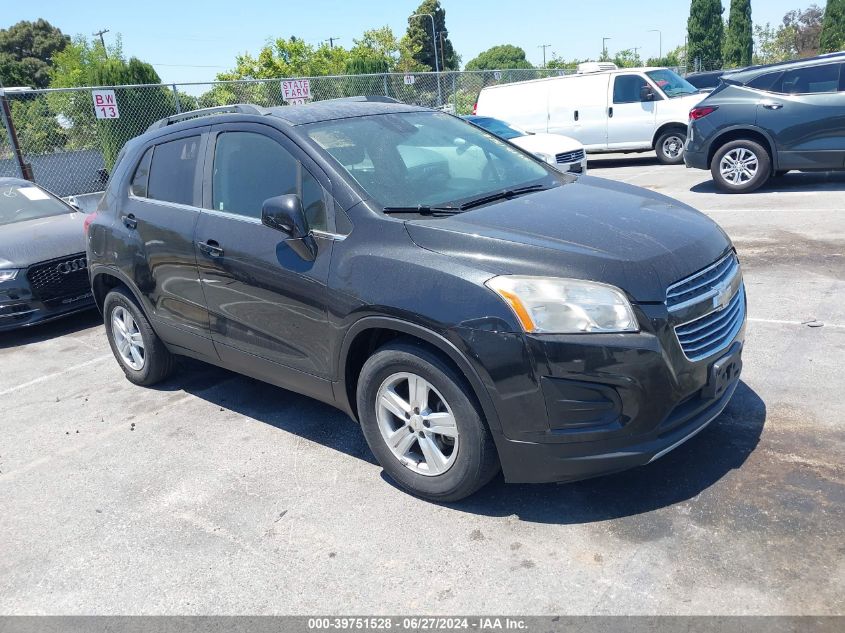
{"x":783,"y":322}
{"x":55,"y":374}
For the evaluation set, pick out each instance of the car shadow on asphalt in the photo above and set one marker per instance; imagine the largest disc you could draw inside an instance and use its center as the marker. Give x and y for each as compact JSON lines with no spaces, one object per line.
{"x":678,"y":476}
{"x":809,"y":182}
{"x":52,"y":329}
{"x":595,"y":161}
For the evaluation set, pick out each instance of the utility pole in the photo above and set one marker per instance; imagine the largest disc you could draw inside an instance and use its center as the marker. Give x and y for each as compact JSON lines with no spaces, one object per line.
{"x":100,"y":34}
{"x":636,"y":49}
{"x":660,"y":33}
{"x":434,"y":41}
{"x":332,"y":40}
{"x":544,"y":47}
{"x":604,"y":52}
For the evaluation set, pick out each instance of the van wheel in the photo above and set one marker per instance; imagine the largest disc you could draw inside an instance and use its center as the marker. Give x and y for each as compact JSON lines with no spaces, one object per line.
{"x":138,"y":350}
{"x":670,"y":147}
{"x":741,"y":166}
{"x":420,"y":420}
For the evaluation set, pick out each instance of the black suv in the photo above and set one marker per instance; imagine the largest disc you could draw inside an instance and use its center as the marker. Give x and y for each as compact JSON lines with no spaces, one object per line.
{"x":471,"y":306}
{"x":767,"y":120}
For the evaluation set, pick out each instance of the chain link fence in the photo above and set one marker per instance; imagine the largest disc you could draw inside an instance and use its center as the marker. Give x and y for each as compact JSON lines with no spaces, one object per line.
{"x":70,"y":137}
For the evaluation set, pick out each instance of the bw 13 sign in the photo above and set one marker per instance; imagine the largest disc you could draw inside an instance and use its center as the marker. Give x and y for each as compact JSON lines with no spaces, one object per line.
{"x":105,"y":104}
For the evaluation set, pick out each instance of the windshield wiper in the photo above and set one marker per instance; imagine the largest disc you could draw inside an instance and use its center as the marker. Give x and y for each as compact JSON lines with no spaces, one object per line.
{"x":424,"y":210}
{"x":502,"y":195}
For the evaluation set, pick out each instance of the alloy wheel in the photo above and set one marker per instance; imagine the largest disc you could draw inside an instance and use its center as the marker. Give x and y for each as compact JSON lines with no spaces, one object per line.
{"x":417,"y":424}
{"x":127,"y":338}
{"x":739,"y":166}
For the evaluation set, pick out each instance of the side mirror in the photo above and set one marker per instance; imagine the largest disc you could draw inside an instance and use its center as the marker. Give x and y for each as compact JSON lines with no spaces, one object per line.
{"x":286,"y":215}
{"x":646,"y":94}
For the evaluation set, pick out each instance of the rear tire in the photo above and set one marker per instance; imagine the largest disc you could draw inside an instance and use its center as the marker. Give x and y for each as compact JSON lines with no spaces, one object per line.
{"x":406,"y":394}
{"x":670,"y":147}
{"x":741,"y":166}
{"x":138,"y":349}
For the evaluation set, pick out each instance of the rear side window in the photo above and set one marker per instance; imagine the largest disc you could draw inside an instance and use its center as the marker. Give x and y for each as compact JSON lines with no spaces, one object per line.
{"x":765,"y":82}
{"x":138,"y":188}
{"x":626,"y":89}
{"x":810,"y":80}
{"x":249,"y":168}
{"x":173,"y":170}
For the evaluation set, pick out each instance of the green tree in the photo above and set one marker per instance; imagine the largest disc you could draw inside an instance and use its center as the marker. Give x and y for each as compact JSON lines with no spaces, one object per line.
{"x":739,"y":39}
{"x":37,"y":125}
{"x":421,"y":39}
{"x":832,"y":36}
{"x":705,"y":32}
{"x":504,"y":56}
{"x":676,"y":58}
{"x":26,"y":53}
{"x":290,"y":57}
{"x":798,"y":35}
{"x":380,"y":51}
{"x":629,"y":58}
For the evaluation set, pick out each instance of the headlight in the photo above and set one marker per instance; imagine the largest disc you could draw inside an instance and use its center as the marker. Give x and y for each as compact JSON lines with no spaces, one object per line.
{"x":545,"y":157}
{"x":553,"y":305}
{"x":7,"y":275}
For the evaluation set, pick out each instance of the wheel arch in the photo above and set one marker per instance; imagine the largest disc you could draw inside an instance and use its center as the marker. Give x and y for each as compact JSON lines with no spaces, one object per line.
{"x":744,"y":133}
{"x":671,"y":125}
{"x":369,"y":333}
{"x":104,"y":279}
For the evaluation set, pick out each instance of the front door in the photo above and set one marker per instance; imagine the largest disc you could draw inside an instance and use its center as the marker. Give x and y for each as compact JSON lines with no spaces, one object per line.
{"x":630,"y":118}
{"x":263,"y":298}
{"x":804,"y":111}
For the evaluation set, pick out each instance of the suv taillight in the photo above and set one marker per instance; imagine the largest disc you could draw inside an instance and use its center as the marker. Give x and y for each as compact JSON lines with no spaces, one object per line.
{"x":699,"y":113}
{"x":475,"y":108}
{"x":87,"y":222}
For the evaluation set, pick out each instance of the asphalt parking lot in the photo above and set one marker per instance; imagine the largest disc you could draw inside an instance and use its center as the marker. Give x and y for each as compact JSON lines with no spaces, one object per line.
{"x":217,"y":494}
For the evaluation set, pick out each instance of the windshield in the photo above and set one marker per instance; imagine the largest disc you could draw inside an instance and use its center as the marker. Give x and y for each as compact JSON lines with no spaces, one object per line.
{"x":426,"y":159}
{"x":19,"y":203}
{"x":499,"y":128}
{"x":671,"y":83}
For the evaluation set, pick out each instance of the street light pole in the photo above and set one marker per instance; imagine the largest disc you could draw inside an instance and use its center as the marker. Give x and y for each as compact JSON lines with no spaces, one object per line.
{"x":604,"y":52}
{"x":660,"y":33}
{"x":434,"y":40}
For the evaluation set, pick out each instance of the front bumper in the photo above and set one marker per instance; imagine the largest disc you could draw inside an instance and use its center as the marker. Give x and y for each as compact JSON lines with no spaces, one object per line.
{"x":579,"y":406}
{"x":19,"y":308}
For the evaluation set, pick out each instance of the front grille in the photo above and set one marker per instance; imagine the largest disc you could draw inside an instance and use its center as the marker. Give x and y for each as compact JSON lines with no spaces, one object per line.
{"x":718,"y":289}
{"x":570,"y":157}
{"x":702,"y":285}
{"x":57,"y":280}
{"x":714,"y":331}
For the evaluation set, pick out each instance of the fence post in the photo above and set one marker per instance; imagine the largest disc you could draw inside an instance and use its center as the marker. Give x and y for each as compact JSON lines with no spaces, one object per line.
{"x":454,"y":94}
{"x":176,"y":98}
{"x":386,"y":92}
{"x":24,"y":167}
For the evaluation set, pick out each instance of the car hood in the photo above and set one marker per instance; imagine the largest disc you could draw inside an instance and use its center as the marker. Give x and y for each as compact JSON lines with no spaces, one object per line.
{"x":547,"y":143}
{"x":591,"y":228}
{"x":25,"y":243}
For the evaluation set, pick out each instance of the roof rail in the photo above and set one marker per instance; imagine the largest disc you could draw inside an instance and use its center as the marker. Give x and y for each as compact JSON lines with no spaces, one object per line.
{"x":367,"y":99}
{"x":238,"y":108}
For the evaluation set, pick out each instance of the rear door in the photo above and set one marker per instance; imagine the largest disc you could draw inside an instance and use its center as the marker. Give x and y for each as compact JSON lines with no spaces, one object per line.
{"x":804,"y":111}
{"x":578,"y":108}
{"x":631,"y":120}
{"x":264,"y":300}
{"x":158,"y":220}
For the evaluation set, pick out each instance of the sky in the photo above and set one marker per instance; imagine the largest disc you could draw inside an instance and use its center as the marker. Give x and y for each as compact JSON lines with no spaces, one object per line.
{"x":189,"y":41}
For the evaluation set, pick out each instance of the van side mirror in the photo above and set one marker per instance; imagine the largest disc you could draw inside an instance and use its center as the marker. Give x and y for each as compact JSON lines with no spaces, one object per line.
{"x":647,"y":94}
{"x":286,"y":215}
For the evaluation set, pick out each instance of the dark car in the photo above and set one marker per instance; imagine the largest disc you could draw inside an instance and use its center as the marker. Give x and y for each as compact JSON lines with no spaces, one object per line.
{"x":767,"y":120}
{"x":706,"y":81}
{"x":470,"y":305}
{"x":43,"y":270}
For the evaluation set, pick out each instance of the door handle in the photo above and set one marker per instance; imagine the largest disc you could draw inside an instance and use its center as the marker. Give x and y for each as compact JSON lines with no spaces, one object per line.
{"x":576,"y":115}
{"x":771,"y":105}
{"x":610,"y":112}
{"x":129,"y":221}
{"x":210,"y":248}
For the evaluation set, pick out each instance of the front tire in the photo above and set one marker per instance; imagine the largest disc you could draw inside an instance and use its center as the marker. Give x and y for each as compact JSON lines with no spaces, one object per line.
{"x":741,"y":166}
{"x":420,"y":420}
{"x":670,"y":147}
{"x":138,"y":349}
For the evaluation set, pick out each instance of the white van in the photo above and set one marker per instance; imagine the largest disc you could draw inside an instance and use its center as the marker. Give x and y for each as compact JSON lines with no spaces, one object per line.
{"x":607,"y":109}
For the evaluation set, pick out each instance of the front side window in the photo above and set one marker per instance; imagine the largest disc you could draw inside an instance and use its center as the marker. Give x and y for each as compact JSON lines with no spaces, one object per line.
{"x":671,"y":83}
{"x":19,"y":203}
{"x":809,"y":80}
{"x":416,"y":159}
{"x":626,"y":88}
{"x":250,"y":168}
{"x":173,"y":171}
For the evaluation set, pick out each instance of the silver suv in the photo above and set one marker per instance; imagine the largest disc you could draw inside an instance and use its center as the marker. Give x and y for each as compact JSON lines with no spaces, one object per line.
{"x":767,"y":120}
